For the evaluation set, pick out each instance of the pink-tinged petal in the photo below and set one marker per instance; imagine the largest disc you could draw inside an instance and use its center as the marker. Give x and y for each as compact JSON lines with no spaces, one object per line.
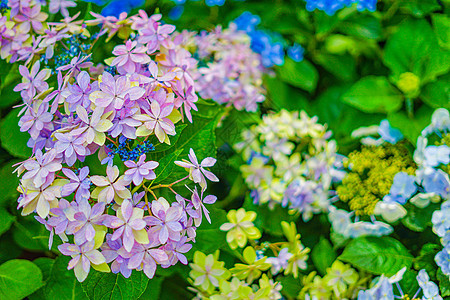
{"x":112,"y":173}
{"x":135,"y":93}
{"x":73,"y":262}
{"x":149,"y":269}
{"x":210,"y":175}
{"x":80,"y":273}
{"x":98,"y":209}
{"x":159,"y":255}
{"x":192,"y":157}
{"x":174,"y":213}
{"x":69,"y":249}
{"x":152,"y":67}
{"x":95,"y":257}
{"x":127,"y":209}
{"x":208,"y":162}
{"x":99,"y":180}
{"x":136,"y":260}
{"x":90,"y":232}
{"x":183,"y":164}
{"x":174,"y":226}
{"x":128,"y":239}
{"x":83,"y":80}
{"x":163,"y":235}
{"x":210,"y":199}
{"x":151,"y":220}
{"x":138,"y":224}
{"x":118,"y":233}
{"x":196,"y":175}
{"x":82,"y":114}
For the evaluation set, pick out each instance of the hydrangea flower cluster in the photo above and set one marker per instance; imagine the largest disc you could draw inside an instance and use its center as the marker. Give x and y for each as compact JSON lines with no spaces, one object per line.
{"x":291,"y":161}
{"x":70,"y":115}
{"x":384,"y":177}
{"x":229,"y":71}
{"x":269,"y":45}
{"x":332,"y":6}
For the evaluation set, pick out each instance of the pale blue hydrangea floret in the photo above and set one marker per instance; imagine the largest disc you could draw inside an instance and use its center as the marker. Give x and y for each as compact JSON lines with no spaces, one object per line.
{"x":436,"y":155}
{"x":402,"y":188}
{"x":436,"y":181}
{"x":441,"y":227}
{"x":388,"y":133}
{"x":295,"y":52}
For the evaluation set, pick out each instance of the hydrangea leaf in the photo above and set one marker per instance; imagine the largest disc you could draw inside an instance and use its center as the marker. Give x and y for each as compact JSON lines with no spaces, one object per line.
{"x":114,"y":286}
{"x":414,"y":48}
{"x":166,"y":166}
{"x":45,"y":264}
{"x":374,"y":94}
{"x":377,"y":255}
{"x":61,"y":283}
{"x":323,"y":255}
{"x":12,"y":139}
{"x":153,"y":290}
{"x":6,"y":219}
{"x":441,"y":24}
{"x":209,"y":238}
{"x":437,"y":93}
{"x":19,"y":279}
{"x":411,"y":127}
{"x":299,"y":74}
{"x":444,"y":283}
{"x":9,"y":183}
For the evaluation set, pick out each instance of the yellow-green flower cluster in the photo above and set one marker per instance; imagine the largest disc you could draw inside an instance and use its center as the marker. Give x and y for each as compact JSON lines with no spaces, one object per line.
{"x":341,"y":281}
{"x":299,"y":252}
{"x":240,"y":228}
{"x":372,"y":171}
{"x":212,"y":281}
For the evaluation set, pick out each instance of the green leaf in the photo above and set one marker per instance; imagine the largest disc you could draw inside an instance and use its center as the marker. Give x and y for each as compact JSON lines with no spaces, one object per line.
{"x":420,"y":8}
{"x":414,"y":48}
{"x":209,"y":238}
{"x":419,"y":219}
{"x":425,"y":260}
{"x":300,"y":74}
{"x":6,"y":219}
{"x":30,"y":234}
{"x":374,"y":94}
{"x":341,"y":66}
{"x":62,"y":283}
{"x":99,"y":286}
{"x":12,"y":139}
{"x":153,"y":290}
{"x":377,"y":255}
{"x":323,"y":255}
{"x":269,"y":220}
{"x":8,"y":248}
{"x":9,"y":183}
{"x":411,"y":127}
{"x":166,"y":166}
{"x":8,"y":80}
{"x":437,"y":94}
{"x":173,"y":139}
{"x":45,"y":264}
{"x":291,"y":286}
{"x":18,"y":279}
{"x":362,"y":26}
{"x":444,"y":283}
{"x":441,"y":24}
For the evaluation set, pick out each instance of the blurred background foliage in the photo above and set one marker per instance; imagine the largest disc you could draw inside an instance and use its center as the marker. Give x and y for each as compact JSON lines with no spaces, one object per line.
{"x":358,"y":68}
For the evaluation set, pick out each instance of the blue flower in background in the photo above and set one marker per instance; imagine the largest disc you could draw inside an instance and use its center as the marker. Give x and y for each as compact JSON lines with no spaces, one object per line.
{"x":389,"y":134}
{"x":116,"y":7}
{"x":330,"y":7}
{"x":176,"y":12}
{"x":295,"y":52}
{"x":214,"y":2}
{"x":247,"y":22}
{"x":370,"y":5}
{"x":268,"y":44}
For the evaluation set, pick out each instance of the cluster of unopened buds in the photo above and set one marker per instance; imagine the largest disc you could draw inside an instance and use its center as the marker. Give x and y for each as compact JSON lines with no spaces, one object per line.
{"x":291,"y":161}
{"x":81,"y":117}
